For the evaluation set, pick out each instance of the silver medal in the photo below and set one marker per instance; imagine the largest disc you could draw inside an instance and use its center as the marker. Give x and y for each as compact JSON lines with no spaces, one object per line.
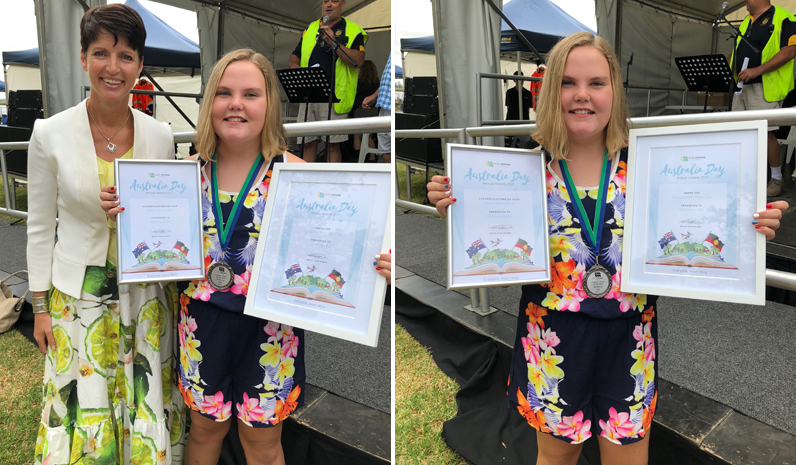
{"x":597,"y":282}
{"x":220,"y":275}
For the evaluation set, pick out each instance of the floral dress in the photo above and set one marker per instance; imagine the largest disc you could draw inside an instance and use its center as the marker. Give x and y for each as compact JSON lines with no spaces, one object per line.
{"x":584,"y":365}
{"x":231,"y":364}
{"x":109,"y":391}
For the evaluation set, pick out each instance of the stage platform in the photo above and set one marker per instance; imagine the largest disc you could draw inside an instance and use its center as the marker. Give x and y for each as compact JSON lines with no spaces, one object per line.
{"x":346,"y":415}
{"x":727,"y":371}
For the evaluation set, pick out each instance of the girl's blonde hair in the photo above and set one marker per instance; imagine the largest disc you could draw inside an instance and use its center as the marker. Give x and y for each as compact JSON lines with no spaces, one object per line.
{"x":550,"y":129}
{"x":273,"y":138}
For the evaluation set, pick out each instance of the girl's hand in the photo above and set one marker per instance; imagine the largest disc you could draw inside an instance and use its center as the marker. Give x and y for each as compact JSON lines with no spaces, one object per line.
{"x":43,"y":331}
{"x":439,"y":193}
{"x":109,"y":202}
{"x":767,"y":221}
{"x":383,"y":265}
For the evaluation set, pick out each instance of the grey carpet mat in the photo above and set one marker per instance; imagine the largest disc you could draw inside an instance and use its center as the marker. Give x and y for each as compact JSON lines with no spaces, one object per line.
{"x":743,"y":356}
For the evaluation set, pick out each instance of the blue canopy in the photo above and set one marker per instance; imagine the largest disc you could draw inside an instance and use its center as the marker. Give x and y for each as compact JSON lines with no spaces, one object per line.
{"x":164,"y":48}
{"x":542,"y":22}
{"x":399,"y":72}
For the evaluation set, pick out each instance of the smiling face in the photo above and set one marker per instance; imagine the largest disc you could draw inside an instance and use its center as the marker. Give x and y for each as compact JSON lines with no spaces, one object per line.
{"x":239,"y":106}
{"x":112,"y":68}
{"x":586,"y":94}
{"x":333,"y":9}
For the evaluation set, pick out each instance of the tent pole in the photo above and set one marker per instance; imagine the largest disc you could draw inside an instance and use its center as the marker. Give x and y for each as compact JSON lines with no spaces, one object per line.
{"x":520,"y":85}
{"x":520,"y":36}
{"x":618,"y":32}
{"x":220,"y":40}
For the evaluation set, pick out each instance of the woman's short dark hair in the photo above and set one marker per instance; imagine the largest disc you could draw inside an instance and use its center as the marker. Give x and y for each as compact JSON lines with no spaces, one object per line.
{"x":117,"y":20}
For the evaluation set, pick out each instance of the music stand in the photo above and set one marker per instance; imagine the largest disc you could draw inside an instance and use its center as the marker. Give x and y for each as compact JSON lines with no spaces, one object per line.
{"x":306,"y":85}
{"x":706,"y":73}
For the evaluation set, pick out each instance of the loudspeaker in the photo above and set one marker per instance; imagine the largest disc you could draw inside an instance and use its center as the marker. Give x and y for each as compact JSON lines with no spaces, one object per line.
{"x":421,"y":104}
{"x":23,"y":118}
{"x":422,"y":150}
{"x":16,"y":160}
{"x":421,"y":85}
{"x":28,"y":99}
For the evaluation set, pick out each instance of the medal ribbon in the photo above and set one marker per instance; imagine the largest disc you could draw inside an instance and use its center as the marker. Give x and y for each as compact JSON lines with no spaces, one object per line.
{"x":593,"y":232}
{"x":225,"y":231}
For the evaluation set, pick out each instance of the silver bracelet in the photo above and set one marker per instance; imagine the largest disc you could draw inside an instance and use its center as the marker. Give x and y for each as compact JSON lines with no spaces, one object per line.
{"x":40,"y":308}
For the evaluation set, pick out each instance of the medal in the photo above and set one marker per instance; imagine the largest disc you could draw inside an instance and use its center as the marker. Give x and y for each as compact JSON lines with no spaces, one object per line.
{"x":597,"y":280}
{"x":220,"y":274}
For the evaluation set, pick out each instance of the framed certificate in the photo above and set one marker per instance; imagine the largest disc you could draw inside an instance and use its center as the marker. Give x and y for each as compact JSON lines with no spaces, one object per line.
{"x":692,"y":191}
{"x":497,"y":229}
{"x":322,"y":226}
{"x":159,"y":236}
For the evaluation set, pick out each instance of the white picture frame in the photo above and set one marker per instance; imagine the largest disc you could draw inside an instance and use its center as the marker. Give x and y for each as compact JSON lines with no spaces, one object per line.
{"x":159,"y":236}
{"x":514,"y":181}
{"x":339,"y":234}
{"x":685,"y":182}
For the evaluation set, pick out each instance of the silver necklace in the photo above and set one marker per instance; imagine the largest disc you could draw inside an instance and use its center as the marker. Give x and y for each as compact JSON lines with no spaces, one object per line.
{"x":111,"y":146}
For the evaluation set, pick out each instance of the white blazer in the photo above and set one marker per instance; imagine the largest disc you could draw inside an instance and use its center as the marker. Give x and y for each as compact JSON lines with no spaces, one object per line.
{"x":63,"y":178}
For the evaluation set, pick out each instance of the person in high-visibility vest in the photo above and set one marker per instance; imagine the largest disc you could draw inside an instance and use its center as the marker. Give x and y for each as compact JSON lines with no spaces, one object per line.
{"x":142,"y":102}
{"x":767,"y":74}
{"x":315,"y":49}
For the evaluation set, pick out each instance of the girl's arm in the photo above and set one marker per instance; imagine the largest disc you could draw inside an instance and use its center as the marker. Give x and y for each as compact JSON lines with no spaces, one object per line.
{"x":293,"y":159}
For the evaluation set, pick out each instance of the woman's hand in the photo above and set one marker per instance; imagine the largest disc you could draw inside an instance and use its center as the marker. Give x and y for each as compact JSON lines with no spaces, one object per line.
{"x":109,"y":202}
{"x":767,"y":221}
{"x":383,"y":265}
{"x":439,"y":193}
{"x":43,"y":331}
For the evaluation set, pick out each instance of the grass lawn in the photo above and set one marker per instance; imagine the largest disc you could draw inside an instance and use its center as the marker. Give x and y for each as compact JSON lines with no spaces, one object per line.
{"x":424,"y":399}
{"x":418,"y":183}
{"x":22,"y":200}
{"x":21,"y":374}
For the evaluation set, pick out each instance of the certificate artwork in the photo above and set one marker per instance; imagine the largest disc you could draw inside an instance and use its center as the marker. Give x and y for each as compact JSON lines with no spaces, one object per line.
{"x":694,"y":211}
{"x":494,"y":236}
{"x":319,"y":266}
{"x":158,"y":241}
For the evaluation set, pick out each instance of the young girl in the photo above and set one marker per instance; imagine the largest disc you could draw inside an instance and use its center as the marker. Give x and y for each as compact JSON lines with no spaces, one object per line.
{"x":585,"y":364}
{"x":233,"y":365}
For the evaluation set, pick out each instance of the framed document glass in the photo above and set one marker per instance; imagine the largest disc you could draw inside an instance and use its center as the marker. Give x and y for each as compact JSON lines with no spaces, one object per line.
{"x":692,"y":192}
{"x":497,"y":229}
{"x":159,"y":236}
{"x":322,"y":226}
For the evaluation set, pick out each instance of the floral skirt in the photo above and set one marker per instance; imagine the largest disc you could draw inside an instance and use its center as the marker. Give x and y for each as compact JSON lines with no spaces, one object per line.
{"x":109,"y":387}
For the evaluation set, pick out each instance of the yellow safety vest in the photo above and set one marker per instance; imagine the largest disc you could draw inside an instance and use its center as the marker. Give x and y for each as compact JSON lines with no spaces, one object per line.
{"x":345,"y":76}
{"x":778,"y":83}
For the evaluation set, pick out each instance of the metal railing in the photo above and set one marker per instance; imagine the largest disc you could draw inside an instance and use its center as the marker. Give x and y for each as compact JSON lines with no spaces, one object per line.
{"x":349,"y":126}
{"x":479,"y":297}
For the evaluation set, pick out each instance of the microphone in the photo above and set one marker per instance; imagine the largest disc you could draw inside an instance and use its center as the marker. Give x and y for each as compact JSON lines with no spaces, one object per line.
{"x":326,"y":18}
{"x":318,"y":37}
{"x":721,"y":13}
{"x":630,"y":61}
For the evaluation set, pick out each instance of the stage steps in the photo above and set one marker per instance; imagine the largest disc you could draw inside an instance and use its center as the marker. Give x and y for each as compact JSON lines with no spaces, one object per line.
{"x":688,"y":428}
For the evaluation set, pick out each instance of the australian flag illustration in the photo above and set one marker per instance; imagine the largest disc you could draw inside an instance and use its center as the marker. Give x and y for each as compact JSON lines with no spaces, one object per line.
{"x":477,"y":245}
{"x":142,"y":247}
{"x":292,"y":270}
{"x":668,"y":237}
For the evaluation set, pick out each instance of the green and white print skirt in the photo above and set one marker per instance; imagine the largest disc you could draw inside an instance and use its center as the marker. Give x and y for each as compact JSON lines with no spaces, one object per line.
{"x":109,"y":387}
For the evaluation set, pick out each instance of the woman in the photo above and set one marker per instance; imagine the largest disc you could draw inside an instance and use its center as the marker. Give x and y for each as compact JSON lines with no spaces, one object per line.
{"x":110,"y":349}
{"x":367,"y":83}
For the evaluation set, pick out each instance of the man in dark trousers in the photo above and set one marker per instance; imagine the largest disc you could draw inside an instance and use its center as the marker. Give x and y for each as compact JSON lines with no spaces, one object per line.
{"x":513,"y":102}
{"x":767,"y":75}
